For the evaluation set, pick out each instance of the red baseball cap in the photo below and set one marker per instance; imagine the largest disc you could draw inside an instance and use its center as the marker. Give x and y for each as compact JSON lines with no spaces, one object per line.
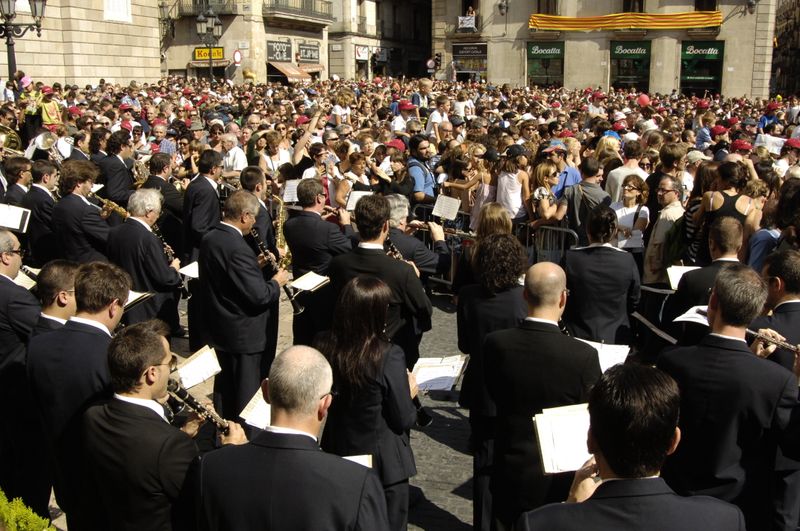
{"x":773,"y":106}
{"x":718,"y":130}
{"x":406,"y":105}
{"x":793,"y":143}
{"x":302,"y":120}
{"x":703,"y":104}
{"x":396,"y":143}
{"x":125,"y":107}
{"x":741,"y":145}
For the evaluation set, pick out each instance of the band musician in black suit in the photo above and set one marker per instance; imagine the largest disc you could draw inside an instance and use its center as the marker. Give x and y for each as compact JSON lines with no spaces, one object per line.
{"x":55,"y":288}
{"x":116,"y":169}
{"x":135,"y":461}
{"x":529,"y":368}
{"x":42,"y":243}
{"x":313,"y":243}
{"x":201,"y":213}
{"x":19,"y":310}
{"x":97,"y":144}
{"x":68,"y":370}
{"x":495,"y":303}
{"x":603,"y":283}
{"x":289,"y":482}
{"x":410,"y":309}
{"x":80,"y":146}
{"x":134,"y":247}
{"x":171,"y":220}
{"x":633,"y":411}
{"x":18,"y":175}
{"x":724,"y":242}
{"x":81,"y":231}
{"x":236,"y":304}
{"x":735,"y":407}
{"x":428,"y":262}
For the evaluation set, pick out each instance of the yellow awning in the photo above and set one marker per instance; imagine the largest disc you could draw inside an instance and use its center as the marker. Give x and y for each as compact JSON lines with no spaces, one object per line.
{"x":622,"y":21}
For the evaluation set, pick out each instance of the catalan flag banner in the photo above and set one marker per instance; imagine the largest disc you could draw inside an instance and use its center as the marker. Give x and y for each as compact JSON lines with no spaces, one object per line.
{"x":622,"y":21}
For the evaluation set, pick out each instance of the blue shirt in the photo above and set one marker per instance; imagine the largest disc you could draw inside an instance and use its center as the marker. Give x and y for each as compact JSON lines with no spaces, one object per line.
{"x":566,"y":178}
{"x":423,"y":177}
{"x":766,"y":120}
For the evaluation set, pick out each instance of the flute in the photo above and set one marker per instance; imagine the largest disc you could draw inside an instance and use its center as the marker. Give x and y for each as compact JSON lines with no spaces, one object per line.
{"x":756,"y":335}
{"x":446,"y":230}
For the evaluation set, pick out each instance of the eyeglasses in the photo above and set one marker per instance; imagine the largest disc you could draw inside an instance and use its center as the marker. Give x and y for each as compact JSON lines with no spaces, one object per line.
{"x":280,"y":128}
{"x":664,"y":190}
{"x":554,"y":174}
{"x":335,"y":138}
{"x":183,"y":143}
{"x":644,"y":165}
{"x":331,"y":392}
{"x":172,"y":364}
{"x":20,"y":252}
{"x":628,"y":188}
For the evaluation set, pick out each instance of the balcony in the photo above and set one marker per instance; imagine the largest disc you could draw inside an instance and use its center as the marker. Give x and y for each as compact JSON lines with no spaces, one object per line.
{"x":362,"y":25}
{"x":298,"y":13}
{"x":466,"y":28}
{"x":191,"y":8}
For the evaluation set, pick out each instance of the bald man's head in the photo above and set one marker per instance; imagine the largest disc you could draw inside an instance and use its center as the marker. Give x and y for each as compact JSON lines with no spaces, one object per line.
{"x":298,"y":378}
{"x":544,"y":284}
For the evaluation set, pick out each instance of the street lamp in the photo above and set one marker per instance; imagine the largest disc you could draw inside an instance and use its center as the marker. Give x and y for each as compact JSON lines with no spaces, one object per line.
{"x":209,"y":29}
{"x":9,"y":30}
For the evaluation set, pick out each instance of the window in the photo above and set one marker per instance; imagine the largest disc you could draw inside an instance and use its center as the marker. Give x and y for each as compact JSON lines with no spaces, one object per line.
{"x":548,"y":7}
{"x":633,"y":6}
{"x":117,"y":10}
{"x":705,"y":5}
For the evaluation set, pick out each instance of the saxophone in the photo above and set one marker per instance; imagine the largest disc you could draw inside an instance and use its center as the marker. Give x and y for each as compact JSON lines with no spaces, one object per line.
{"x":280,"y":239}
{"x":140,"y":173}
{"x":109,"y":205}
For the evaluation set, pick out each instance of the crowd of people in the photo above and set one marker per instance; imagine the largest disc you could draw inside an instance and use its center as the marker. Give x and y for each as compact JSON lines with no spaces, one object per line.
{"x":127,"y":185}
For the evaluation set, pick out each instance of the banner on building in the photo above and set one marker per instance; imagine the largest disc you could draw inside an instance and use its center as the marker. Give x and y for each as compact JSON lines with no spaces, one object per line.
{"x":622,"y":21}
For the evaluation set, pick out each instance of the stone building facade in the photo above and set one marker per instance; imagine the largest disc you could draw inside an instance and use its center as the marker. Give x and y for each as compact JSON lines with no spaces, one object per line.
{"x":85,"y":40}
{"x":786,"y":60}
{"x":732,"y":55}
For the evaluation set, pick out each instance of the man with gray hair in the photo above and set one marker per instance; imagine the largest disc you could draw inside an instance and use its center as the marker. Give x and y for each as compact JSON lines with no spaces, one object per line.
{"x":412,"y":249}
{"x":291,"y":484}
{"x":233,"y":158}
{"x":150,"y":262}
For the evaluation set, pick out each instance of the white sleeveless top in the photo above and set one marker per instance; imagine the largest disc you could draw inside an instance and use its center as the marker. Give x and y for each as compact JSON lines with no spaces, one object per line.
{"x":509,"y":194}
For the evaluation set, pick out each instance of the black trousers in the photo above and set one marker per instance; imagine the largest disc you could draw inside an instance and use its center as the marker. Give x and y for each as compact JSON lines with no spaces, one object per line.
{"x":482,"y":433}
{"x":397,"y":505}
{"x":237,"y":383}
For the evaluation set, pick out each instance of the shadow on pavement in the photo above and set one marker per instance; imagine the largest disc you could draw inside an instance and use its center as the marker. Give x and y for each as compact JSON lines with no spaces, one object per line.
{"x":424,"y":514}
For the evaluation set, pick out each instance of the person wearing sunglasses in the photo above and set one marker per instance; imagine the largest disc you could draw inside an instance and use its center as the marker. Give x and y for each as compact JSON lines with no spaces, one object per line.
{"x":632,"y":154}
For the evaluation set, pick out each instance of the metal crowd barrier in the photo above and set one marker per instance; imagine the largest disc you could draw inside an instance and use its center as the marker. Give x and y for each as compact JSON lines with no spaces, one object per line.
{"x":550,"y":244}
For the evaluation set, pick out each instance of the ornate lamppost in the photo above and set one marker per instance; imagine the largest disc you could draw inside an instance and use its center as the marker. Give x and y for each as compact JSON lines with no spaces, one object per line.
{"x":11,"y":30}
{"x":209,"y":29}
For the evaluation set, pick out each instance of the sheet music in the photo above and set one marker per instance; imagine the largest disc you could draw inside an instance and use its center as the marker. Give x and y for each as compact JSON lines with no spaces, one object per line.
{"x":135,"y":297}
{"x":438,"y":374}
{"x":363,"y":460}
{"x":257,"y":412}
{"x":14,"y":218}
{"x":353,"y":198}
{"x":290,"y":191}
{"x":97,"y":187}
{"x":190,"y":270}
{"x":446,"y":207}
{"x":199,"y":367}
{"x":309,"y":282}
{"x":23,"y":280}
{"x":561,"y":433}
{"x":609,"y":355}
{"x":693,"y":315}
{"x":676,"y":272}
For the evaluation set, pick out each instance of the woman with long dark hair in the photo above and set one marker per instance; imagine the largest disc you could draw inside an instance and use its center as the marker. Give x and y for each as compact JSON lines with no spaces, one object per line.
{"x":373,"y":411}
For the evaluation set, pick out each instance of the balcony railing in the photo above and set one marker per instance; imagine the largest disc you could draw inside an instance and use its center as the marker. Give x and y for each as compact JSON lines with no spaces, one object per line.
{"x":321,"y":9}
{"x":189,"y":8}
{"x":470,"y":24}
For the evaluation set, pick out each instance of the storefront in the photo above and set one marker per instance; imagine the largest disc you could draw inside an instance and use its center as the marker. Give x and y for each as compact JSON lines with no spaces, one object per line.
{"x":308,"y":59}
{"x":201,"y":65}
{"x":701,"y":67}
{"x":630,"y":65}
{"x":280,"y":67}
{"x":380,"y":62}
{"x":362,"y":61}
{"x":470,"y":61}
{"x":546,"y":64}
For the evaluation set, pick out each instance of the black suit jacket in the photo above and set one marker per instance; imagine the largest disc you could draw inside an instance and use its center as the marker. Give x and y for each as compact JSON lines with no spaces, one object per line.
{"x":603,"y":287}
{"x":67,"y":371}
{"x":171,"y":220}
{"x":98,"y":157}
{"x":139,"y":252}
{"x":118,"y":179}
{"x":236,"y":296}
{"x":734,"y":409}
{"x":14,"y":195}
{"x":427,"y":261}
{"x":314,"y":242}
{"x":41,"y":240}
{"x":785,"y":320}
{"x":81,"y":231}
{"x":19,"y":311}
{"x":266,"y":233}
{"x":636,"y":504}
{"x":77,"y":154}
{"x":44,"y":325}
{"x":479,"y":313}
{"x":200,"y":214}
{"x":136,"y":465}
{"x":529,"y":368}
{"x":409,"y":308}
{"x":375,"y":420}
{"x":279,"y":482}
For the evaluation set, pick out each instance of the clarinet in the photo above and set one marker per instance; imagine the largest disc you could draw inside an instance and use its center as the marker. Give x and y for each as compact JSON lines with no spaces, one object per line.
{"x":170,"y":254}
{"x":180,"y":393}
{"x":297,"y":309}
{"x":25,"y":269}
{"x":423,"y":417}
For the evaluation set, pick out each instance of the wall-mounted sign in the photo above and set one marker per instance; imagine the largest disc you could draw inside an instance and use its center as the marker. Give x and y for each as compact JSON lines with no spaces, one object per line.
{"x":308,"y":53}
{"x":201,"y":54}
{"x":630,"y":49}
{"x":280,"y":51}
{"x":237,"y":57}
{"x":708,"y":50}
{"x":545,"y":50}
{"x":470,"y":50}
{"x":362,"y":53}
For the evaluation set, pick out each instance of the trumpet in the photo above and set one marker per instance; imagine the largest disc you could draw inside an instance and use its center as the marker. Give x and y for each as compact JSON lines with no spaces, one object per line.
{"x":177,"y":391}
{"x":109,"y":205}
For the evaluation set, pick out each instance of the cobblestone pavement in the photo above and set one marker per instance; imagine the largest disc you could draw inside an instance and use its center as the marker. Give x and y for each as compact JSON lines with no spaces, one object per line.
{"x":441,"y":492}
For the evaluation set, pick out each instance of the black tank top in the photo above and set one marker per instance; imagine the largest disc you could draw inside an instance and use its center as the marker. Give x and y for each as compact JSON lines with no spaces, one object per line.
{"x":728,"y":209}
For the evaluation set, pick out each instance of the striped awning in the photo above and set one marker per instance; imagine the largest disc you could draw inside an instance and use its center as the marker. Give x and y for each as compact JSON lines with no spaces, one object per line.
{"x":623,"y":21}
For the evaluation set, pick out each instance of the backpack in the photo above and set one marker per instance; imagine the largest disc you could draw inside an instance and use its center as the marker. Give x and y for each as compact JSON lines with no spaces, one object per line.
{"x":675,"y":244}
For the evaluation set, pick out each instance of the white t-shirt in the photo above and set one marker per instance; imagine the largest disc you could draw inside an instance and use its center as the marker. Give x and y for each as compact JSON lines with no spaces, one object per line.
{"x":616,"y":176}
{"x":343,"y":112}
{"x":234,"y":160}
{"x":463,"y":108}
{"x":435,"y":118}
{"x":625,"y":217}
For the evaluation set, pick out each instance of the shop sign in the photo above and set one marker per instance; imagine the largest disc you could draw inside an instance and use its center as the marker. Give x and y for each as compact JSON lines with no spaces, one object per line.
{"x":362,"y":53}
{"x":709,"y":50}
{"x":630,"y":49}
{"x":279,"y":51}
{"x":470,"y":50}
{"x":545,"y":50}
{"x":308,"y":53}
{"x":381,"y":55}
{"x":201,"y":54}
